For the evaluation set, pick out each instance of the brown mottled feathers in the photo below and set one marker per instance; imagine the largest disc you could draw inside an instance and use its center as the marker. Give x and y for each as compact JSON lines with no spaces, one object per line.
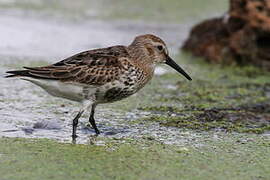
{"x":94,"y":67}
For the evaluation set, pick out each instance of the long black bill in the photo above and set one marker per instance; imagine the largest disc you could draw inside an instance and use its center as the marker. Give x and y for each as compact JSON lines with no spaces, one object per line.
{"x":175,"y":66}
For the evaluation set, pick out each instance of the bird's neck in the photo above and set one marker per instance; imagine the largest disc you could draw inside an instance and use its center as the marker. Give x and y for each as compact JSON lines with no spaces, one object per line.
{"x":141,"y":58}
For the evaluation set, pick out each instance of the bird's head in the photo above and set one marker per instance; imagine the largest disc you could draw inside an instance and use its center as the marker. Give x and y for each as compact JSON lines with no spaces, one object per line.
{"x":154,"y":50}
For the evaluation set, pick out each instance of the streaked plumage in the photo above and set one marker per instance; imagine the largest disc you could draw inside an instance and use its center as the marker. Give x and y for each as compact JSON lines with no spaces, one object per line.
{"x":101,"y":75}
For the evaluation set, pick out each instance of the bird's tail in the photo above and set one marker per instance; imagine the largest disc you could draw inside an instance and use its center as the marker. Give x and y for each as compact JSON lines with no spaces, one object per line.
{"x":18,"y":73}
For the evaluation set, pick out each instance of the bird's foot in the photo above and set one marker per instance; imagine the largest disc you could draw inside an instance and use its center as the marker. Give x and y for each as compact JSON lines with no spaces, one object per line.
{"x":74,"y":136}
{"x":97,"y":131}
{"x":91,"y":127}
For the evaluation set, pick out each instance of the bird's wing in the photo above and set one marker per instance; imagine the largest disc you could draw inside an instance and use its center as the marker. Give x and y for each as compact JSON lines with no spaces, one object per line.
{"x":94,"y":67}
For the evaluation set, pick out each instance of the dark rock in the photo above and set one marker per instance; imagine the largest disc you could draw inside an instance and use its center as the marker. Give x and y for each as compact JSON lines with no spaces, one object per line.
{"x":242,"y":36}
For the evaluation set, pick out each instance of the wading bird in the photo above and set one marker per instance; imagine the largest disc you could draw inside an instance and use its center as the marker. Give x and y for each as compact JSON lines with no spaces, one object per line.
{"x":101,"y":75}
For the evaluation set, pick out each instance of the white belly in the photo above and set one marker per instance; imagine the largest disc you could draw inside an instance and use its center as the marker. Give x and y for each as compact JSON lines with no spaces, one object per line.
{"x":59,"y":89}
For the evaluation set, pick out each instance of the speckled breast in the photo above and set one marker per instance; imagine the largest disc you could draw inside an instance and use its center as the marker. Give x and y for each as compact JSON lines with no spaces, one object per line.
{"x":116,"y":94}
{"x":130,"y":82}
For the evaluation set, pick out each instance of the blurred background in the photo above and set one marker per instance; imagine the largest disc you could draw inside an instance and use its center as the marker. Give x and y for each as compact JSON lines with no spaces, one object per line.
{"x":53,"y":30}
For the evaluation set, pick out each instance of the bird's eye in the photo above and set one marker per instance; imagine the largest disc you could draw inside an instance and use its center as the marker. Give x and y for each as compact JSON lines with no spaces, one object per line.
{"x":160,"y":48}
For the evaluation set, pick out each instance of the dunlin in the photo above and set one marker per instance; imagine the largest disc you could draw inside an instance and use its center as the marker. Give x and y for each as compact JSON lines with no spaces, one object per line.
{"x":101,"y":75}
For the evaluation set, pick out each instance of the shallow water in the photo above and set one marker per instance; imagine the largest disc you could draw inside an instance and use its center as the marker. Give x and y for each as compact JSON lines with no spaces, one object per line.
{"x":27,"y":111}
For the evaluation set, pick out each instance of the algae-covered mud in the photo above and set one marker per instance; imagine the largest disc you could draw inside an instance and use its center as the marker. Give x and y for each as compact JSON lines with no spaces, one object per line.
{"x":229,"y":99}
{"x":222,"y":158}
{"x":215,"y":127}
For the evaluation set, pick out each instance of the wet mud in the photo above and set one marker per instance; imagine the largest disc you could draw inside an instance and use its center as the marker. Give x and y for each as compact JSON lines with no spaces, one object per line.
{"x":225,"y":103}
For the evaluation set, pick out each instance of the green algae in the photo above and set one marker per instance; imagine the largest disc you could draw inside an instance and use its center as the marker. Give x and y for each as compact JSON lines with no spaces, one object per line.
{"x":194,"y":122}
{"x":237,"y":158}
{"x":219,"y":98}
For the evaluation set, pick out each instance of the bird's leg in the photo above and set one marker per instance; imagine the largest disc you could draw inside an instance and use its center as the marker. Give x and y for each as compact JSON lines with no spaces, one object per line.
{"x":92,"y":119}
{"x":75,"y":124}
